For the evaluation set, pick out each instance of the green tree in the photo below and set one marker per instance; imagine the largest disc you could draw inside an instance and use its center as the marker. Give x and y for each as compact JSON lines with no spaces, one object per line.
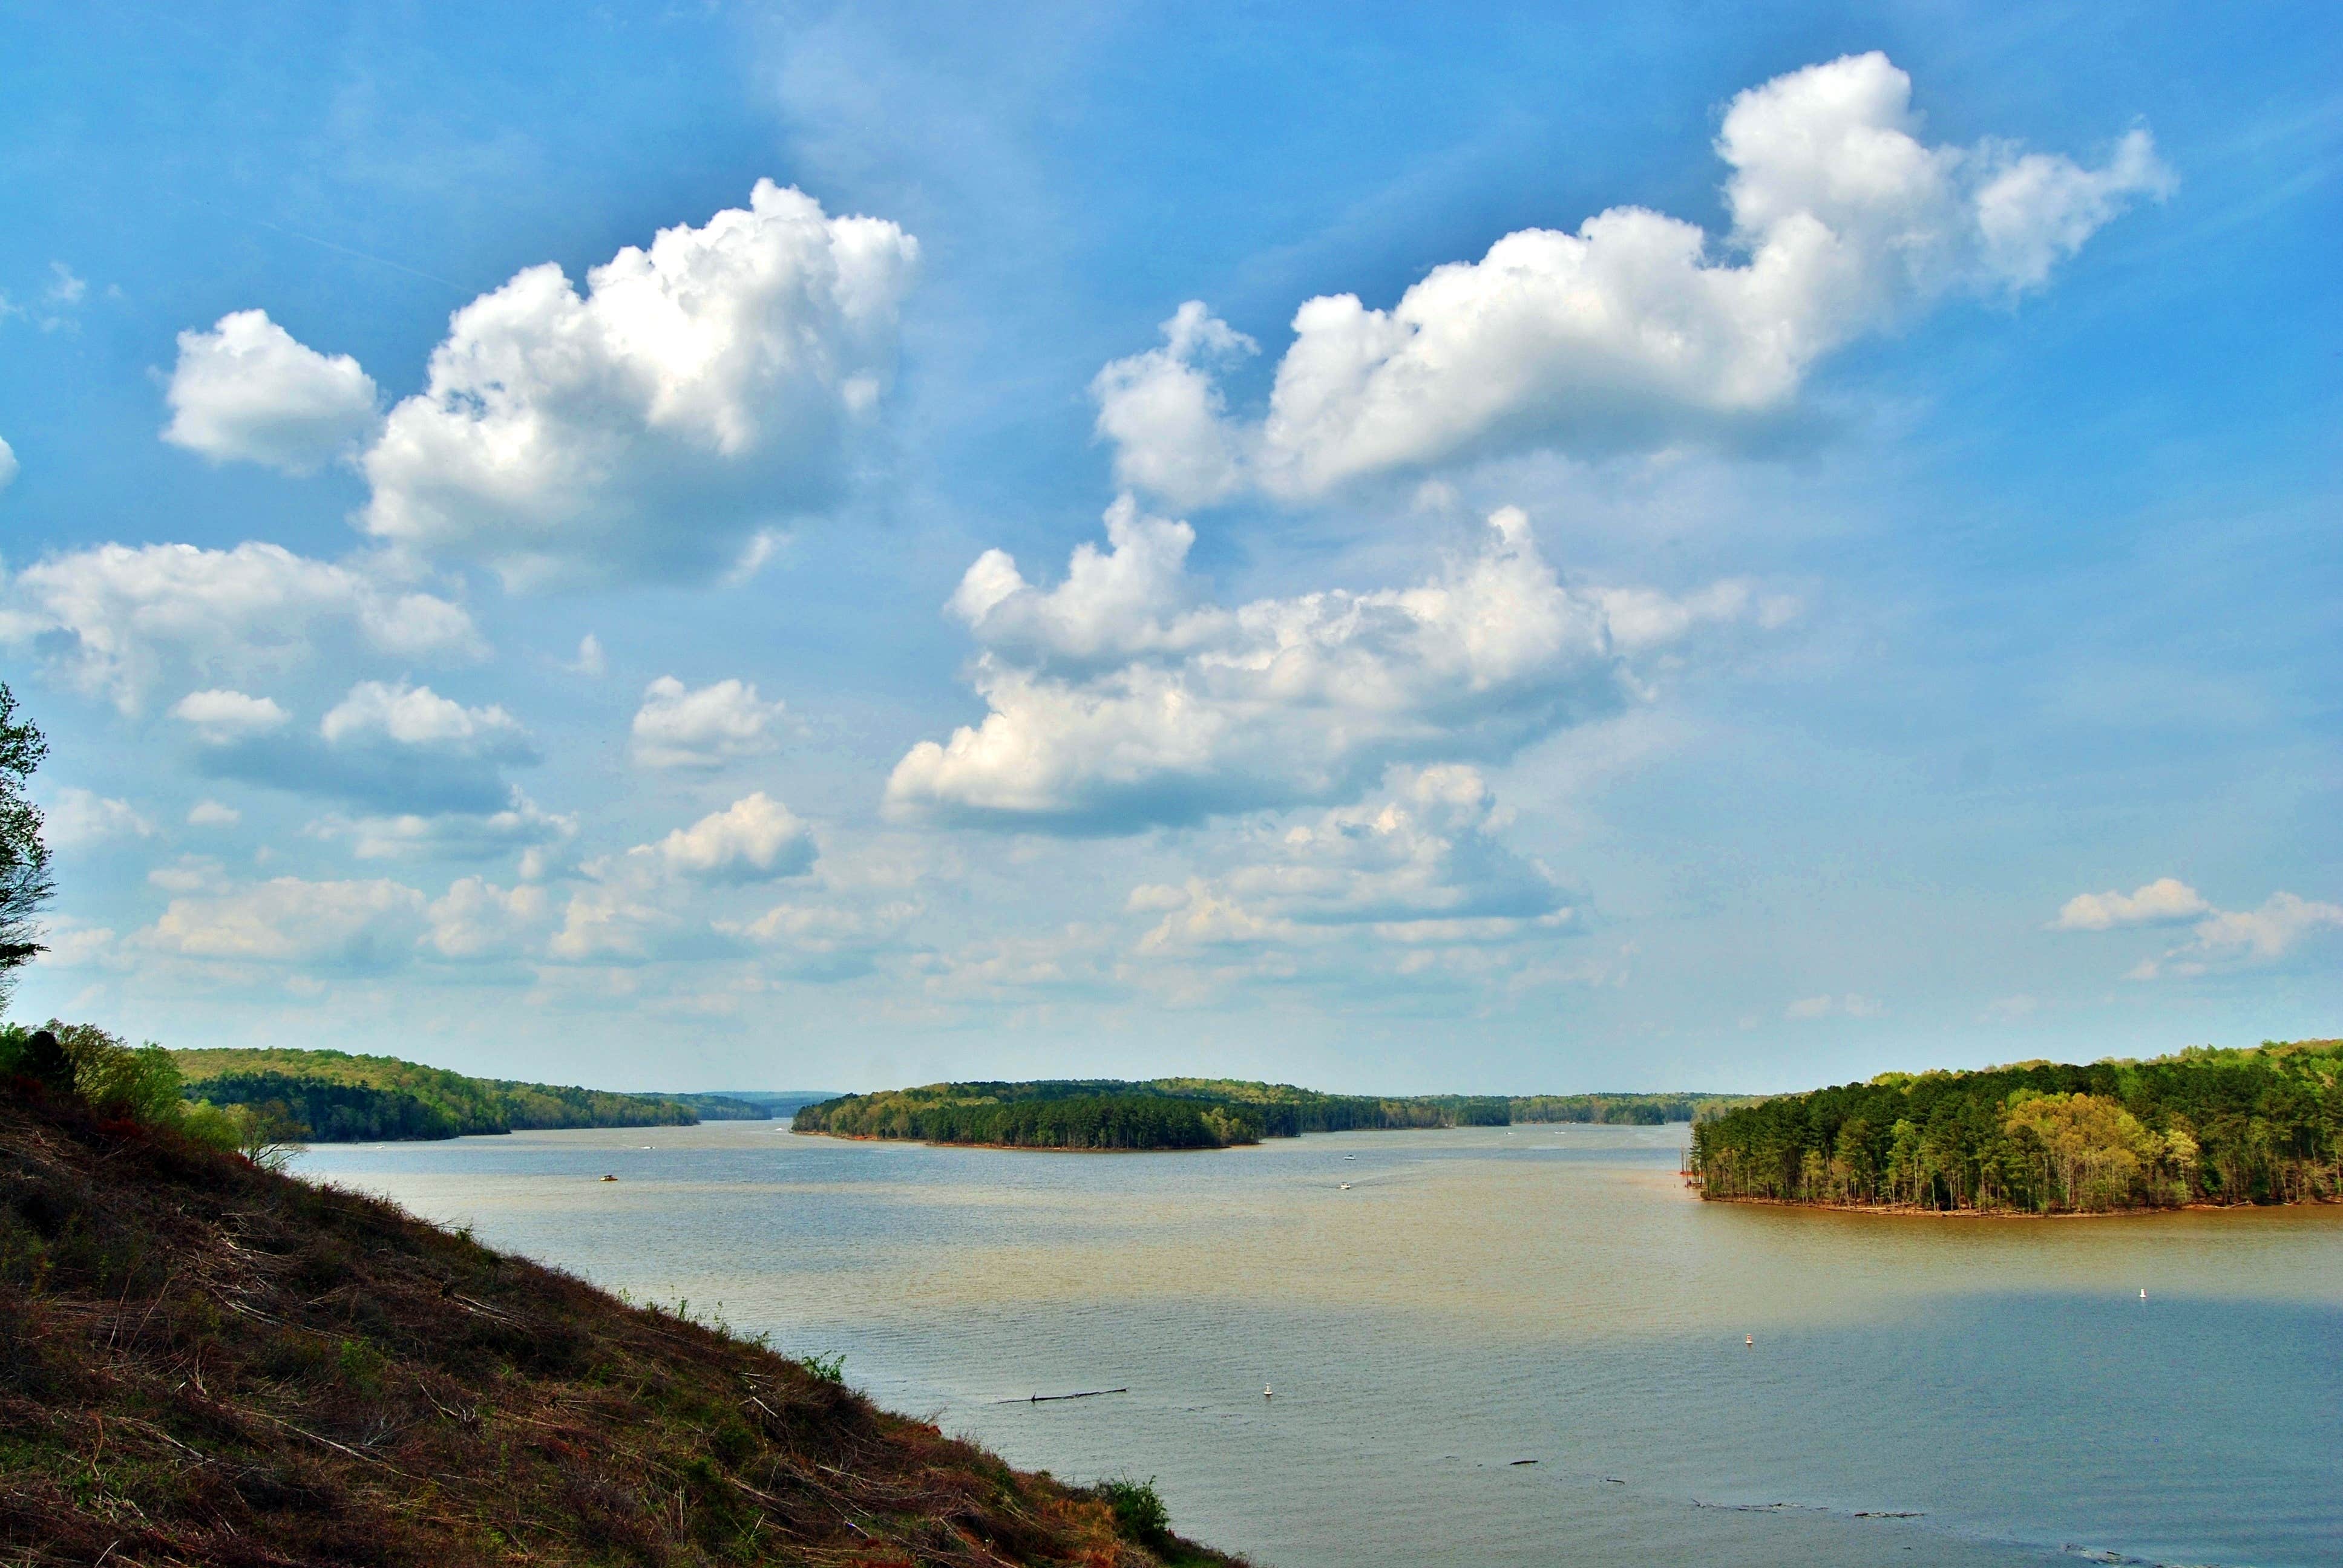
{"x":24,"y":884}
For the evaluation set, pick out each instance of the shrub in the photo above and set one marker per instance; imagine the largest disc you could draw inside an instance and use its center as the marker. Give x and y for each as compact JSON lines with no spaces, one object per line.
{"x":1140,"y":1516}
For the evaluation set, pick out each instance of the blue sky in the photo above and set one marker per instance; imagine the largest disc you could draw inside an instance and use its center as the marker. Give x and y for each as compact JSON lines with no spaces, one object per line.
{"x":1378,"y":548}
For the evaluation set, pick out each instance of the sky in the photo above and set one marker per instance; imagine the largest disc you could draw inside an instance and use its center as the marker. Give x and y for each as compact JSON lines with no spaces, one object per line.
{"x":1392,"y":549}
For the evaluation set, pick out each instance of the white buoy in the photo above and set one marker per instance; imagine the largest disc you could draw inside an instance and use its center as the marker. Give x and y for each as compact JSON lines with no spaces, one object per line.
{"x":2143,"y":1292}
{"x":1265,"y":1392}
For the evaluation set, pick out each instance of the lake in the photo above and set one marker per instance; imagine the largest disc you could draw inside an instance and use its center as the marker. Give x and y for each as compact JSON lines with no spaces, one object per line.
{"x":1921,"y":1390}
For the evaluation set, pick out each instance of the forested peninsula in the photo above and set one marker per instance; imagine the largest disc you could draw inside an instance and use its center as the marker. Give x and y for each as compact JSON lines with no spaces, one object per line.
{"x":203,"y":1361}
{"x":334,"y":1097}
{"x":1197,"y":1112}
{"x":2256,"y":1125}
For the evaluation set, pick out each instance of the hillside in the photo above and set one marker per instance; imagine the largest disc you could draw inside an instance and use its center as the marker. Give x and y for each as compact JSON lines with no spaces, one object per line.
{"x":2262,"y":1125}
{"x":341,"y":1098}
{"x":205,"y":1362}
{"x":1193,"y":1112}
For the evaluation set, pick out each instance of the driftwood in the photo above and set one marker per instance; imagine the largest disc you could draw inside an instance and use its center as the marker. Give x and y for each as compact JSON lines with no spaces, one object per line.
{"x":1047,"y":1398}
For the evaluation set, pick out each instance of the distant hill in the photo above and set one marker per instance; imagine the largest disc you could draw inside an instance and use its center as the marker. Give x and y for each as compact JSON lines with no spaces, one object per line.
{"x":760,"y":1104}
{"x":345,"y":1099}
{"x":1197,"y":1112}
{"x":2251,"y":1126}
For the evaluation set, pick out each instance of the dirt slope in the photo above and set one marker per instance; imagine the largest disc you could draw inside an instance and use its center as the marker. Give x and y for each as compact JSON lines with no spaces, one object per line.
{"x":204,"y":1363}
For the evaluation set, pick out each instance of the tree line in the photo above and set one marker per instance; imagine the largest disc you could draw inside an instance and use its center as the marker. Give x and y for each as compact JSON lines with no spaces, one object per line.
{"x":1193,"y":1112}
{"x":2258,"y":1125}
{"x":344,"y":1097}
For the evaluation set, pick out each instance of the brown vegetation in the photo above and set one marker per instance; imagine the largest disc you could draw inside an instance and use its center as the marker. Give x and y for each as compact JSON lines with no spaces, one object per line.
{"x":202,"y":1361}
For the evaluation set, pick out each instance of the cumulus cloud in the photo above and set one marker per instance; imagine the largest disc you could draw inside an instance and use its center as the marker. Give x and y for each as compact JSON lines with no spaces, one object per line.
{"x":680,"y":726}
{"x":80,"y":818}
{"x":696,"y":394}
{"x":246,"y":390}
{"x":825,"y":941}
{"x":2164,"y":899}
{"x":120,"y":620}
{"x":220,"y":717}
{"x":1166,"y":418}
{"x":1116,"y":702}
{"x":7,"y":465}
{"x":379,"y":713}
{"x":2242,"y":938}
{"x":451,"y":834}
{"x":356,"y":925}
{"x":395,"y":747}
{"x":754,"y":839}
{"x":476,"y":920}
{"x":212,"y":814}
{"x":1424,"y":862}
{"x":1638,"y":331}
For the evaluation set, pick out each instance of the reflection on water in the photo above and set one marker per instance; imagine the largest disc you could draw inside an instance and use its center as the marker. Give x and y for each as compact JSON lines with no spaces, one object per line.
{"x":1952,"y":1391}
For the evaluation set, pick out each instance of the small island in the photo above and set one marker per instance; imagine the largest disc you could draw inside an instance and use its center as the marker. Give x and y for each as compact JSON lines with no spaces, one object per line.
{"x":1171,"y":1113}
{"x":2206,"y":1127}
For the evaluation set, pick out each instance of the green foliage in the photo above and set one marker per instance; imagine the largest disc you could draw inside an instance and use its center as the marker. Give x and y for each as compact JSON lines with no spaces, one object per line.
{"x":2206,"y":1126}
{"x":830,"y":1368}
{"x":342,"y":1099}
{"x":1624,"y":1109}
{"x":1192,"y":1112}
{"x":117,"y":1081}
{"x":1140,"y":1516}
{"x":24,"y":883}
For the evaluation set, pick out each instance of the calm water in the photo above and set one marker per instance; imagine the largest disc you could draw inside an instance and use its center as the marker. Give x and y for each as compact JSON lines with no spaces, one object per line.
{"x":1480,"y":1298}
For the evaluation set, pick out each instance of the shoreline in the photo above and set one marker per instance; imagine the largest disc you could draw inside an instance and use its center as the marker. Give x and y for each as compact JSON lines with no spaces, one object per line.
{"x":1019,"y":1148}
{"x":1915,"y":1210}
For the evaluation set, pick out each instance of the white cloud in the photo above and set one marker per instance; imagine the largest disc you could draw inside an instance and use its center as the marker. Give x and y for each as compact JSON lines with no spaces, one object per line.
{"x":7,"y":465}
{"x":82,"y":819}
{"x":379,"y":713}
{"x":246,"y":390}
{"x":589,"y":661}
{"x":220,"y":717}
{"x":1114,"y":705}
{"x":754,"y":839}
{"x":404,"y":749}
{"x":2166,"y":898}
{"x":1638,"y":331}
{"x":72,"y":944}
{"x":696,"y":393}
{"x":478,"y":920}
{"x":1852,"y":1005}
{"x":350,"y":925}
{"x":121,"y":620}
{"x":451,"y":834}
{"x":824,"y":941}
{"x":1167,"y":419}
{"x":677,"y":726}
{"x":2238,"y":938}
{"x":1422,"y":863}
{"x":614,"y":922}
{"x":212,"y":814}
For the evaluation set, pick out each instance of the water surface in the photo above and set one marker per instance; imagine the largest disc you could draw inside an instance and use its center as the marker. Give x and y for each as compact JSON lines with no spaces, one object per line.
{"x":1921,"y":1390}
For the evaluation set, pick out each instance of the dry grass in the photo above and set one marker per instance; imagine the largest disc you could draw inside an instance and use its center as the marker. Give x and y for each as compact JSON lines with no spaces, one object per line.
{"x":202,"y":1363}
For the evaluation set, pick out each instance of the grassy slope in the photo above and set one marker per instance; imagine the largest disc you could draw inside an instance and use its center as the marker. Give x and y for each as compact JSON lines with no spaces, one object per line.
{"x":204,"y":1363}
{"x":474,"y":1104}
